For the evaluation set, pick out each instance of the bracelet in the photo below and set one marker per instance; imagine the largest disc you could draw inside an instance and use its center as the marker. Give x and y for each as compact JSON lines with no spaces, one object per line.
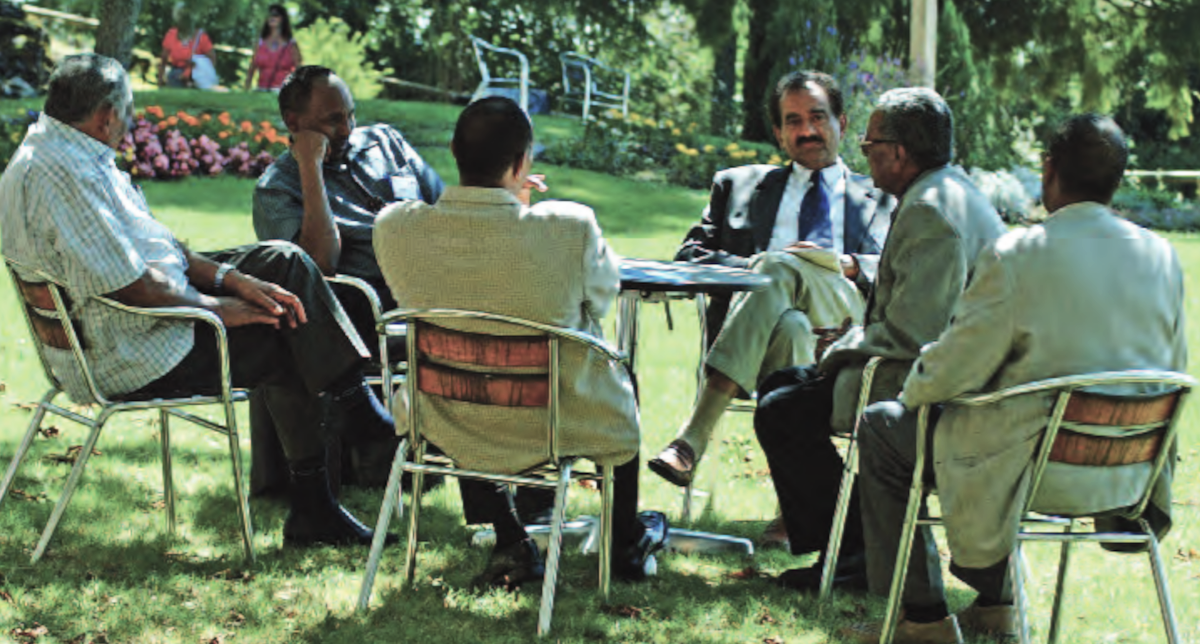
{"x":219,"y":278}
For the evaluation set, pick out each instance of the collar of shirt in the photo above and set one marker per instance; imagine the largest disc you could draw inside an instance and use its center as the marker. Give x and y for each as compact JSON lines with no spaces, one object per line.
{"x":830,"y":175}
{"x":360,"y":142}
{"x":75,"y":141}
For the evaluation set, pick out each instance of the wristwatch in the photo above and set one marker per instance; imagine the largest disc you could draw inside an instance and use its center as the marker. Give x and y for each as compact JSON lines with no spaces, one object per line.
{"x":219,"y":278}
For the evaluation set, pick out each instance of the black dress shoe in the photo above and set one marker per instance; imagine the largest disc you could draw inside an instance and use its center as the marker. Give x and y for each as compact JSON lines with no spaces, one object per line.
{"x":851,"y":574}
{"x":512,"y":565}
{"x":629,"y":562}
{"x":317,"y":518}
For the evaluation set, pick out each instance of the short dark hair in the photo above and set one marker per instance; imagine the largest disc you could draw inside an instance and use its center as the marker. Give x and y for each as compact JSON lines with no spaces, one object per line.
{"x":297,"y":88}
{"x":1089,"y":153}
{"x":798,"y":81}
{"x":491,"y":136}
{"x":84,"y":83}
{"x":919,"y":119}
{"x":285,"y":26}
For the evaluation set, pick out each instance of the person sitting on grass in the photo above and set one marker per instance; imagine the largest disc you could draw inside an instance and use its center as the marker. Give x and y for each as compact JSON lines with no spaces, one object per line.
{"x":482,"y":247}
{"x":66,"y":210}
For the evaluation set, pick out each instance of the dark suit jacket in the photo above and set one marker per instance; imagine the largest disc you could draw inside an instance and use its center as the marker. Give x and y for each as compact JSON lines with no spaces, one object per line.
{"x":740,"y":218}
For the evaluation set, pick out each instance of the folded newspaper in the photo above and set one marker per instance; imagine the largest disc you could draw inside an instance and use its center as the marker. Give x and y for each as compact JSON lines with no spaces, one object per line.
{"x":823,"y":257}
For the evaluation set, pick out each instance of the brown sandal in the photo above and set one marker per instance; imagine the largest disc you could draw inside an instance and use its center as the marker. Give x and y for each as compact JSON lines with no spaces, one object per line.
{"x":676,"y":464}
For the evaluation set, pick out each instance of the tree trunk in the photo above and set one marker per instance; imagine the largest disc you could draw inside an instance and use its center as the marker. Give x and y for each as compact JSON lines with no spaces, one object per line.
{"x":114,"y":36}
{"x":724,"y":81}
{"x":756,"y":76}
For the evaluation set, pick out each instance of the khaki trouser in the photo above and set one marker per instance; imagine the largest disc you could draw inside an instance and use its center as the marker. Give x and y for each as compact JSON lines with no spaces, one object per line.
{"x":772,"y":328}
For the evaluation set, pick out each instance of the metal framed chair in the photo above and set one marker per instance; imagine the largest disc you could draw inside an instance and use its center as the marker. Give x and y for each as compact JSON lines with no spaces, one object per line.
{"x":1085,"y":428}
{"x":46,"y":306}
{"x":367,"y":292}
{"x":521,"y":82}
{"x":582,"y":82}
{"x":483,"y":374}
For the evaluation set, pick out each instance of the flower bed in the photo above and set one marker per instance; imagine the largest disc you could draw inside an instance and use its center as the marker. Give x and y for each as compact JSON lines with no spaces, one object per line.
{"x":181,"y":145}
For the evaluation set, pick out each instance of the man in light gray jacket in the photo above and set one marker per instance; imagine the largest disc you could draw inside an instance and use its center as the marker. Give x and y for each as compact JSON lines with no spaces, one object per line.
{"x":940,"y":225}
{"x":1041,"y":305}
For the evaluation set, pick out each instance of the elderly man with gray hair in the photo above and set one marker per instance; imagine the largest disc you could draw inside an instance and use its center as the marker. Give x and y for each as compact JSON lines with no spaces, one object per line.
{"x":941,"y":223}
{"x":66,"y":210}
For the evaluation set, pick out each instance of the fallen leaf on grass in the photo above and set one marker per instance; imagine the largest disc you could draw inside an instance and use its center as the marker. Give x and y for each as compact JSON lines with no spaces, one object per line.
{"x":158,"y":505}
{"x":1191,"y":554}
{"x":235,"y":619}
{"x":50,"y":431}
{"x":623,"y":610}
{"x":766,"y":618}
{"x":773,"y":640}
{"x":749,"y":572}
{"x":229,"y":574}
{"x":18,"y":493}
{"x":589,"y":484}
{"x":215,"y":640}
{"x":30,"y":633}
{"x":71,"y":455}
{"x":4,"y":596}
{"x":27,"y":406}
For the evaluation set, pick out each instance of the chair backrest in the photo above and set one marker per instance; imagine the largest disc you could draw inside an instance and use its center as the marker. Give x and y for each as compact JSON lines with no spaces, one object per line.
{"x":46,"y":307}
{"x":518,"y":370}
{"x":1097,"y":429}
{"x":482,"y":48}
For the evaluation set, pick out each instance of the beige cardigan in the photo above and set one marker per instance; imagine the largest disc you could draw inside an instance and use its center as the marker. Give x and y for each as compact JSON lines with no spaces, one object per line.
{"x":1085,"y":292}
{"x":480,"y":249}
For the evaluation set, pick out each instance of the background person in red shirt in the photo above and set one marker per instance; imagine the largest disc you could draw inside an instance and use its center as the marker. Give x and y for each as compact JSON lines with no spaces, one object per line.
{"x":181,"y":45}
{"x":277,"y":54}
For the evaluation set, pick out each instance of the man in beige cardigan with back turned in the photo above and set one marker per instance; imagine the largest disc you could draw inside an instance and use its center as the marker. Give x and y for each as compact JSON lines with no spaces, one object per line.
{"x":482,"y":247}
{"x":1086,"y":291}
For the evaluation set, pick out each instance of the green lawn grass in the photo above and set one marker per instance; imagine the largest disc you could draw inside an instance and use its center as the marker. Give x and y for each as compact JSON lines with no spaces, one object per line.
{"x":113,"y":574}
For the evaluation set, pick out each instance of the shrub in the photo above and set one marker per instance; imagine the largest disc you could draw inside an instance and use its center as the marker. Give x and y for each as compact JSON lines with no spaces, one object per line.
{"x":329,"y":42}
{"x":12,"y":131}
{"x":1013,"y":193}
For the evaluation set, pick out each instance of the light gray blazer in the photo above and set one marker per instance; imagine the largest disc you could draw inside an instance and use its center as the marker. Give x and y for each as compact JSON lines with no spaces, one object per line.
{"x":1086,"y":291}
{"x":941,"y":224}
{"x":479,"y":249}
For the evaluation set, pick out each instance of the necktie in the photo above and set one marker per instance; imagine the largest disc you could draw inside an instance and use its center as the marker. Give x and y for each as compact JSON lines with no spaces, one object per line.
{"x":815,"y":225}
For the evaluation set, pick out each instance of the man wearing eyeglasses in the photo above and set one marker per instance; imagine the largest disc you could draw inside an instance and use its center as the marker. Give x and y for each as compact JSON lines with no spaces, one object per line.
{"x":940,"y":225}
{"x":323,"y":194}
{"x":813,"y":226}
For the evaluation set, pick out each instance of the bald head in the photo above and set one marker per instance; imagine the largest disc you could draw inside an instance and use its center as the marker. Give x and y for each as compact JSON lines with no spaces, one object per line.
{"x":1087,"y":154}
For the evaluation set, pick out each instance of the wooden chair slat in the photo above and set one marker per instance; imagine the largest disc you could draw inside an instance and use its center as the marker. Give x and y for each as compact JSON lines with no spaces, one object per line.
{"x":483,"y":350}
{"x":50,"y":331}
{"x":1095,"y":409}
{"x":1084,"y":449}
{"x":484,"y":389}
{"x":36,"y":295}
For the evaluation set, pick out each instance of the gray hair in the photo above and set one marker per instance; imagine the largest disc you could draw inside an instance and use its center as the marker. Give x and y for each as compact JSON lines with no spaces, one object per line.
{"x":919,"y":119}
{"x":84,"y":83}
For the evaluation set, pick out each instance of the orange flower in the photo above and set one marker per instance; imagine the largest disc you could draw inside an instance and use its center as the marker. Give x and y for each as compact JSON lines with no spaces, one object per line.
{"x":190,"y":120}
{"x":258,"y":138}
{"x":224,"y":134}
{"x":266,"y":125}
{"x":162,"y":125}
{"x":173,"y":121}
{"x":247,"y":127}
{"x":271,"y":136}
{"x":206,"y":118}
{"x":155,"y":111}
{"x":223,"y":118}
{"x":181,"y":114}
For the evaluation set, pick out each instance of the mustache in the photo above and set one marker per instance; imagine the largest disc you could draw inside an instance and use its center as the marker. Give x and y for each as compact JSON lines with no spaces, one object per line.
{"x":801,"y":140}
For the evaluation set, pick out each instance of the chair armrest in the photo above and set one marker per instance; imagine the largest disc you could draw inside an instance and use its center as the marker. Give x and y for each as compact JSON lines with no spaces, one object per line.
{"x":363,"y":287}
{"x":1141,"y":376}
{"x":590,"y":341}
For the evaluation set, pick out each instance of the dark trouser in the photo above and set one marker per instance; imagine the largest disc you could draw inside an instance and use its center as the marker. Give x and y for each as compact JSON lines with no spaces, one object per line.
{"x":484,"y":502}
{"x":887,"y":455}
{"x":287,"y":368}
{"x":792,"y":423}
{"x":268,"y":468}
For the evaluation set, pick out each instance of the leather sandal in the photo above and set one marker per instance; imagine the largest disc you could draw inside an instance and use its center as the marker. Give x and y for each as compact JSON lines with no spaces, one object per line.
{"x":676,"y":463}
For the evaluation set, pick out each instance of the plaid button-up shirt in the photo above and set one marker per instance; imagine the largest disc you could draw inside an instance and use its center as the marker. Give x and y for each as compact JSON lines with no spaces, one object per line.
{"x":67,"y":210}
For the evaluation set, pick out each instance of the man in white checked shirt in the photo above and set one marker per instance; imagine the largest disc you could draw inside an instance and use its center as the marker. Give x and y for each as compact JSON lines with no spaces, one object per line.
{"x":67,"y":210}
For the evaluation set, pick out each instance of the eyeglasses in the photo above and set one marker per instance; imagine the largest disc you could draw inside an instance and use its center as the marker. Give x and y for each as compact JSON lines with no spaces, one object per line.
{"x":865,"y":144}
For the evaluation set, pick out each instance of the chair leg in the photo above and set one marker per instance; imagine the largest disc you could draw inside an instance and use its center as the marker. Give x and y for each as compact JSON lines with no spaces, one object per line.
{"x":892,"y":617}
{"x":168,"y":479}
{"x":418,"y":479}
{"x":240,"y":488}
{"x":1160,"y":585}
{"x":839,"y":520}
{"x":685,"y":506}
{"x":1064,"y":559}
{"x":391,"y":496}
{"x":34,"y":423}
{"x":72,"y":481}
{"x":1016,"y":571}
{"x":606,"y":532}
{"x":554,"y":551}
